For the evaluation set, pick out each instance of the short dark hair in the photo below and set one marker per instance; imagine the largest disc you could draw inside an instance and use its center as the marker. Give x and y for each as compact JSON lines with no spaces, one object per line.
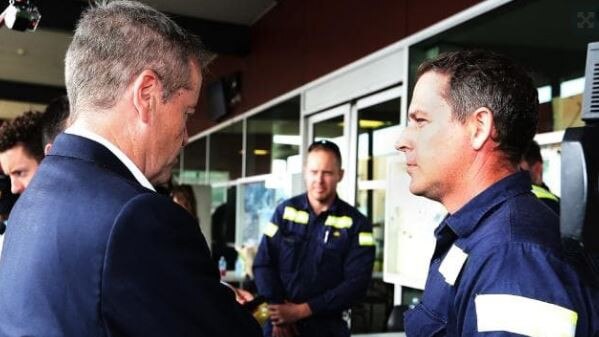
{"x":326,"y":145}
{"x":532,"y":154}
{"x":55,"y":119}
{"x":24,"y":130}
{"x":185,"y":193}
{"x":479,"y":78}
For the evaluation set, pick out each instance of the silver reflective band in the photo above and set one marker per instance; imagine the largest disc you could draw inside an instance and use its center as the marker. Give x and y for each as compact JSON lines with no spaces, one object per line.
{"x":523,"y":315}
{"x":452,"y":264}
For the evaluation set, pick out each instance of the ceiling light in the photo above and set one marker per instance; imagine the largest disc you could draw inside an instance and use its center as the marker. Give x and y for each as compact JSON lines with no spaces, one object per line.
{"x":260,"y":152}
{"x":371,"y":124}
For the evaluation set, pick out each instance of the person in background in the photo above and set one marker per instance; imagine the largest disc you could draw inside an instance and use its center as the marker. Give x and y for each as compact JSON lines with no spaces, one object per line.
{"x":316,"y":256}
{"x":54,"y":121}
{"x":223,"y":225}
{"x":21,"y":149}
{"x":532,"y":161}
{"x":497,"y":268}
{"x":93,"y":250}
{"x":7,"y":200}
{"x":25,"y":140}
{"x":183,"y":196}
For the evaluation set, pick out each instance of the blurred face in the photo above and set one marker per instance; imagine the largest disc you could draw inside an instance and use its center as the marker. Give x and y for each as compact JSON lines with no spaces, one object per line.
{"x":181,"y":201}
{"x":170,"y":129}
{"x":321,"y":175}
{"x":434,"y":143}
{"x":19,"y":166}
{"x":535,"y":171}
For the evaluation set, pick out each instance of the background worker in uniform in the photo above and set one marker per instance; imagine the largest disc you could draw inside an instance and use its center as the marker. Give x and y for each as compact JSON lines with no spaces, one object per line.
{"x":497,"y":267}
{"x":316,"y":256}
{"x":532,"y":161}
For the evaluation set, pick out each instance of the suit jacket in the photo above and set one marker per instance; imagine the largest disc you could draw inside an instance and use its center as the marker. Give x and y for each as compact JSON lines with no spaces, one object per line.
{"x":90,"y":252}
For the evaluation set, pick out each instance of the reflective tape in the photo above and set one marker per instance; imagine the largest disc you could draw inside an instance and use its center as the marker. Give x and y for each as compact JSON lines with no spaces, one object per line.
{"x":524,"y":316}
{"x":294,"y":215}
{"x":452,"y":264}
{"x":542,"y":193}
{"x":339,"y":222}
{"x":366,"y":239}
{"x":271,"y":229}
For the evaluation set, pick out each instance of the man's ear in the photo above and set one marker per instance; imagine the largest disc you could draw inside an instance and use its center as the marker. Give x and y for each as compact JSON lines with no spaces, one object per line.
{"x":47,"y":148}
{"x":481,"y":127}
{"x":146,"y":89}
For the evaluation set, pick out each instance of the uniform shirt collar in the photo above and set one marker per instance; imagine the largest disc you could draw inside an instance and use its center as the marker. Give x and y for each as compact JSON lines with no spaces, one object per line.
{"x":466,"y":219}
{"x":305,"y":204}
{"x":139,"y":176}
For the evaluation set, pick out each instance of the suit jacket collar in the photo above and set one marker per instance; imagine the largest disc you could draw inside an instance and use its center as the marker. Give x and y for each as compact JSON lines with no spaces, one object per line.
{"x":67,"y":145}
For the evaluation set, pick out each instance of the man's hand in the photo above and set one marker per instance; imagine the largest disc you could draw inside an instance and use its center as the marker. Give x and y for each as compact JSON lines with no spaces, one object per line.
{"x":243,"y":296}
{"x":287,"y":330}
{"x":288,"y":312}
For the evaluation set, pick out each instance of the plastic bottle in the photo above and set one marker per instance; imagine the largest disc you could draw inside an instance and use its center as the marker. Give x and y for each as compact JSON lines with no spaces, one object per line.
{"x":222,"y":266}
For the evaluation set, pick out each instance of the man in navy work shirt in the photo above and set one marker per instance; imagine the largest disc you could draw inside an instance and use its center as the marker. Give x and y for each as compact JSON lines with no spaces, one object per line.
{"x":532,"y":161}
{"x":497,"y":268}
{"x":316,"y":256}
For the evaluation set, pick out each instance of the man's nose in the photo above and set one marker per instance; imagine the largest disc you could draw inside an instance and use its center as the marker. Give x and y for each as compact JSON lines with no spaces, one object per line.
{"x":16,"y":187}
{"x":404,"y":141}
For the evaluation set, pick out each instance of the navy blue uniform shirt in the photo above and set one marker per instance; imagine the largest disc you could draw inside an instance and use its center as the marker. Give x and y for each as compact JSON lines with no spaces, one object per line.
{"x":497,"y":270}
{"x":325,"y":260}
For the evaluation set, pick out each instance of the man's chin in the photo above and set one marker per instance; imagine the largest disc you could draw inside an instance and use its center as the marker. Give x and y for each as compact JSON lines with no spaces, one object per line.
{"x":164,"y":176}
{"x":417,"y":190}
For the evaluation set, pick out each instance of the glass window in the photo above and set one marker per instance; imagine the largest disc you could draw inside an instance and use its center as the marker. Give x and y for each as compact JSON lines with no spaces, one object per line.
{"x":378,"y":129}
{"x":549,"y":37}
{"x":272,"y":138}
{"x":259,"y":203}
{"x":194,"y":163}
{"x":226,"y":150}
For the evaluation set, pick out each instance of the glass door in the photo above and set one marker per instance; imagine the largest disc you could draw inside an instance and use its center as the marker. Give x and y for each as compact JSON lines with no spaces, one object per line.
{"x":377,"y":125}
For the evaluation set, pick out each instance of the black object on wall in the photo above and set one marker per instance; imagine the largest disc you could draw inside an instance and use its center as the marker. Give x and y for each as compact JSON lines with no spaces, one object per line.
{"x":222,"y":95}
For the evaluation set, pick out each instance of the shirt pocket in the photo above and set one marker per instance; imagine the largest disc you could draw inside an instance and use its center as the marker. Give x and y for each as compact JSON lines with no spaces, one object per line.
{"x":288,"y":253}
{"x":331,"y":250}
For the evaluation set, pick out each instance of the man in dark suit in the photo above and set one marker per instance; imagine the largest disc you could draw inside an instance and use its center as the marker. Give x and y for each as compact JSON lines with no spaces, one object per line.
{"x":93,"y":250}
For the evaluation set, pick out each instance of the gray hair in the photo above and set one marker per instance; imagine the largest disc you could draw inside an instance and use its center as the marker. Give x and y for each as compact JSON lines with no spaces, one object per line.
{"x":114,"y":42}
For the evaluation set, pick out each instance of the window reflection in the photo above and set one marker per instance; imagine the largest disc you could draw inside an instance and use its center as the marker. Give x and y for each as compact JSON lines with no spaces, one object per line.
{"x":273,"y":137}
{"x":194,"y":163}
{"x":226,"y":150}
{"x":556,"y":64}
{"x":378,"y":128}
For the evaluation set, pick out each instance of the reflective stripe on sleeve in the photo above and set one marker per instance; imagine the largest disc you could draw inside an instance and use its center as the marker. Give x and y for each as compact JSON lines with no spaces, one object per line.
{"x":271,"y":229}
{"x":366,"y":239}
{"x":524,"y":316}
{"x":294,"y":215}
{"x":339,"y":222}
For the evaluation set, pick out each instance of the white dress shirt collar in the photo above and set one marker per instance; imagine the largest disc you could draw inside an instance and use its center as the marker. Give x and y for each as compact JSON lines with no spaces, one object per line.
{"x":139,"y":176}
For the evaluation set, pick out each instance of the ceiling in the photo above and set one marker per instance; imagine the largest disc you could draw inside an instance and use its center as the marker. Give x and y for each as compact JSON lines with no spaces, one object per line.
{"x":31,"y":64}
{"x":243,"y":12}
